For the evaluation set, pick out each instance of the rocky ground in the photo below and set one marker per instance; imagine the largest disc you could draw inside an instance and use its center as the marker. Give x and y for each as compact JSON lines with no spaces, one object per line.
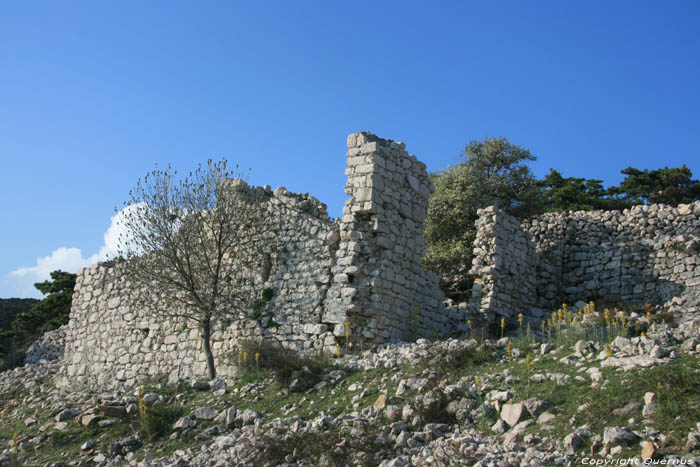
{"x":449,"y":402}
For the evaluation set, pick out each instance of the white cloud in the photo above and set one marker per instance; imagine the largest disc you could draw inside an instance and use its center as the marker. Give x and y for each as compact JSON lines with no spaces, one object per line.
{"x":20,"y":282}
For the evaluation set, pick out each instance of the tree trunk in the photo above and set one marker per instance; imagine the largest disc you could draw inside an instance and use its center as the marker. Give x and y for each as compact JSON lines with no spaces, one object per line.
{"x":206,"y":344}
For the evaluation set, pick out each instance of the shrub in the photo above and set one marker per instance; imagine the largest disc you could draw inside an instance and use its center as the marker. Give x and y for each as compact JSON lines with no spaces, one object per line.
{"x":157,"y":421}
{"x":286,"y":365}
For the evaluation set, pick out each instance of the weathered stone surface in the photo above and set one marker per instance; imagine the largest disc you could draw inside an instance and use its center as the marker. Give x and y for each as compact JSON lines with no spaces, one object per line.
{"x":512,"y":413}
{"x":641,"y":255}
{"x":363,"y":270}
{"x":380,"y":403}
{"x":66,"y":414}
{"x":619,"y":436}
{"x":206,"y":413}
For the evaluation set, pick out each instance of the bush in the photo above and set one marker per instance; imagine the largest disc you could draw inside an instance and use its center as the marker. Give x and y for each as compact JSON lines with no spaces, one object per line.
{"x":14,"y":359}
{"x":157,"y":422}
{"x":290,"y":368}
{"x":494,"y":171}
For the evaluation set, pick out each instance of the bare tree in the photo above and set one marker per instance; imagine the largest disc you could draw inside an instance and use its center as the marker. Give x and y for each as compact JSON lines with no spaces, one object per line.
{"x":193,"y":246}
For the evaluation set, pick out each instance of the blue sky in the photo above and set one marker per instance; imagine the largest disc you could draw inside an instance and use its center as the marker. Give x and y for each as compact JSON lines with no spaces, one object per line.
{"x":93,"y":94}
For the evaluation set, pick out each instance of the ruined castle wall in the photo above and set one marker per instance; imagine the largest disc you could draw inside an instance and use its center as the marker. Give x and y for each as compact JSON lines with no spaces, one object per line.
{"x":378,"y":283}
{"x":111,"y":340}
{"x":363,"y":269}
{"x":647,"y":254}
{"x":505,"y":263}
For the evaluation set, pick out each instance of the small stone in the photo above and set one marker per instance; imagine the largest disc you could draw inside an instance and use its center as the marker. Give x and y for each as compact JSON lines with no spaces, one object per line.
{"x":380,"y":403}
{"x":66,"y":414}
{"x":206,"y":413}
{"x":200,"y":385}
{"x":616,"y":435}
{"x":87,"y":445}
{"x":650,"y":398}
{"x":512,"y":413}
{"x":649,"y":451}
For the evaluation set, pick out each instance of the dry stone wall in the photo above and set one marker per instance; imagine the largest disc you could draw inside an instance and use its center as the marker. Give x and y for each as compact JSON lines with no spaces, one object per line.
{"x":363,"y":269}
{"x":504,"y":264}
{"x":111,"y":340}
{"x":378,"y":283}
{"x":647,"y":254}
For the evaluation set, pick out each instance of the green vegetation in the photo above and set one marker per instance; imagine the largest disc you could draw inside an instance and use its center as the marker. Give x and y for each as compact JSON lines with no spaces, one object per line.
{"x":11,"y":307}
{"x":495,"y":172}
{"x":41,"y":316}
{"x":289,"y":369}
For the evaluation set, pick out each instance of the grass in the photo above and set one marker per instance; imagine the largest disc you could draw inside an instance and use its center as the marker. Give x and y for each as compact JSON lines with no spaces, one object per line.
{"x":263,"y":386}
{"x":291,"y":369}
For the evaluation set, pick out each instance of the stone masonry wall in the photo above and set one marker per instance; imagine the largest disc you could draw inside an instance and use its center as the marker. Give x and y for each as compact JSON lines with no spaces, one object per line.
{"x":504,"y":262}
{"x":647,"y":254}
{"x":110,"y":340}
{"x":378,"y":283}
{"x":363,"y":269}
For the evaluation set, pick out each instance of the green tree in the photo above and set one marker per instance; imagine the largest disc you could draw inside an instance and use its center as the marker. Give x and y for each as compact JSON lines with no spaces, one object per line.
{"x":494,"y":171}
{"x":193,"y":247}
{"x":575,"y":194}
{"x":43,"y":315}
{"x":672,"y":186}
{"x":48,"y":314}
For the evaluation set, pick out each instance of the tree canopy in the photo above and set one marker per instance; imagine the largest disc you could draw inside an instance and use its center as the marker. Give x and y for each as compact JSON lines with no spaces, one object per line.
{"x":192,"y":246}
{"x":42,"y":316}
{"x":494,"y":171}
{"x":672,"y":186}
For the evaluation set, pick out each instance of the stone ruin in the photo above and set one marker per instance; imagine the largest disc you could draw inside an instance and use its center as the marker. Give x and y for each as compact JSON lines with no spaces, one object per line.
{"x":365,"y":269}
{"x":649,"y":254}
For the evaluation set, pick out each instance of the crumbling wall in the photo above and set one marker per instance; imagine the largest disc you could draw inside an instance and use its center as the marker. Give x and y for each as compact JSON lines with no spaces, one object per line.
{"x":363,"y":269}
{"x":647,"y":254}
{"x":111,"y":340}
{"x":378,"y":283}
{"x":505,"y":266}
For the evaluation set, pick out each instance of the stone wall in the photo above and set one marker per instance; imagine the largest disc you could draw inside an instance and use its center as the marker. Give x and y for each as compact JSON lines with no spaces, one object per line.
{"x":378,"y":283}
{"x":647,"y":254}
{"x":363,"y":269}
{"x":504,"y":263}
